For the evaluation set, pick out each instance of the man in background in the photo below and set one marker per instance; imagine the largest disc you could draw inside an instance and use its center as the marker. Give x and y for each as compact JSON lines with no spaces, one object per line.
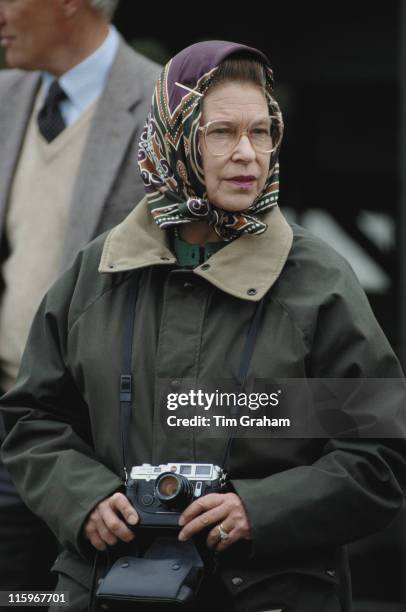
{"x":70,"y":118}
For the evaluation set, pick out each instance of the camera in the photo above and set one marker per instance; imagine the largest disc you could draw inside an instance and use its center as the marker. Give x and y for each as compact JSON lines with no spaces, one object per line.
{"x":162,"y":570}
{"x":161,"y":493}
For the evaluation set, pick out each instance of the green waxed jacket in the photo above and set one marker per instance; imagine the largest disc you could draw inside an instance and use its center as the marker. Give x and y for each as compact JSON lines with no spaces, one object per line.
{"x":305,"y":498}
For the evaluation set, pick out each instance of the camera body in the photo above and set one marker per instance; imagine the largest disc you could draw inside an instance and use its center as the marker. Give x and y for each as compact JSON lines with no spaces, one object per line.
{"x":161,"y":493}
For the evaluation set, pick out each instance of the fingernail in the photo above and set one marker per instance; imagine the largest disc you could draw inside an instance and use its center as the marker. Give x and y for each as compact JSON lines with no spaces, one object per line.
{"x":182,"y":537}
{"x":133,"y":520}
{"x":181,"y":521}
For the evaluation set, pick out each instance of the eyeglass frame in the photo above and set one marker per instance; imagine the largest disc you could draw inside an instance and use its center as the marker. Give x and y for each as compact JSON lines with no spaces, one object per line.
{"x":203,"y":128}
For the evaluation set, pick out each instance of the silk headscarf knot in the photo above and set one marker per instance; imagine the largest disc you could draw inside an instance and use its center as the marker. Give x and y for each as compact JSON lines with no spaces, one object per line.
{"x":169,"y":157}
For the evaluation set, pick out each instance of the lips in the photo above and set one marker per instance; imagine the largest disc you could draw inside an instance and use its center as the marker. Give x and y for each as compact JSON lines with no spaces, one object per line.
{"x":242,"y":181}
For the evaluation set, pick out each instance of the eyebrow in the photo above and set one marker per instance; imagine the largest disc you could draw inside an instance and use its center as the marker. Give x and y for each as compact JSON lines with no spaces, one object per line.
{"x":254,"y":120}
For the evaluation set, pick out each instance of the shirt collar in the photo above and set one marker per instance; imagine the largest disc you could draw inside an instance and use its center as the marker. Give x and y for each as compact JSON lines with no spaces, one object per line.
{"x":85,"y":82}
{"x":192,"y":255}
{"x":245,"y":268}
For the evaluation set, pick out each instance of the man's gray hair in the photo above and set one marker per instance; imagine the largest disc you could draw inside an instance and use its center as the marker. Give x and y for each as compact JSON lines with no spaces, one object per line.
{"x":105,"y":7}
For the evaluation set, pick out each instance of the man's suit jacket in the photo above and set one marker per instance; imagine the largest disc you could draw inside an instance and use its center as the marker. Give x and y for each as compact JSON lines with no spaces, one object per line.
{"x":108,"y":184}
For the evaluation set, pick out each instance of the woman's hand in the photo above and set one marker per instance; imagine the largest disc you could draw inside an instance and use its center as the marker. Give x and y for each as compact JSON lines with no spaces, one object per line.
{"x":225,"y":511}
{"x":104,"y":526}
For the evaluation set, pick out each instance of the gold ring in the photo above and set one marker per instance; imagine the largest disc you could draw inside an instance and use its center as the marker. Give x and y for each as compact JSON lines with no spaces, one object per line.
{"x":224,"y":535}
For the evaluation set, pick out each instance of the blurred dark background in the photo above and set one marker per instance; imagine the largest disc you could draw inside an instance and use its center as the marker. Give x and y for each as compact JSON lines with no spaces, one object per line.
{"x":340,"y":74}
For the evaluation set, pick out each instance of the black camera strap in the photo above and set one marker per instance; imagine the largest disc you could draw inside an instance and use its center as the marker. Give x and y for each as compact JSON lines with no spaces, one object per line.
{"x":126,"y":383}
{"x":245,"y":361}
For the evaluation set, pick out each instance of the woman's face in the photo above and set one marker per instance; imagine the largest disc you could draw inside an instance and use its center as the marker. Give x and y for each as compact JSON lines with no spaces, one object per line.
{"x":234,"y":180}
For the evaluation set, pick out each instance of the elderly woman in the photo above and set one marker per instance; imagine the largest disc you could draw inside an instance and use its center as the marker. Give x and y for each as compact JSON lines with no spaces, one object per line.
{"x":225,"y":287}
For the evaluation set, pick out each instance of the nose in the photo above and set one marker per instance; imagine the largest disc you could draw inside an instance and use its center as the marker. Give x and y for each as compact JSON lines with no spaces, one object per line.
{"x":244,"y":150}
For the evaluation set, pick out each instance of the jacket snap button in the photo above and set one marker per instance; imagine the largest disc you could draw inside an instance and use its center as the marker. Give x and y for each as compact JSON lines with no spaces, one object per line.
{"x":252,"y":291}
{"x":188,"y":286}
{"x":331,"y":573}
{"x":126,"y":564}
{"x":237,"y":580}
{"x":175,"y":383}
{"x":175,"y":566}
{"x":205,"y":267}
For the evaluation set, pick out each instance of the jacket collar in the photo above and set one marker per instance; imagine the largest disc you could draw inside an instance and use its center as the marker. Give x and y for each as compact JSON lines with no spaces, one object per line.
{"x":116,"y":119}
{"x":246,"y":268}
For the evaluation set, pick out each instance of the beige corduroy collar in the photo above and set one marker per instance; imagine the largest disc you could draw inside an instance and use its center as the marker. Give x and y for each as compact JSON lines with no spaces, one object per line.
{"x":246,"y":268}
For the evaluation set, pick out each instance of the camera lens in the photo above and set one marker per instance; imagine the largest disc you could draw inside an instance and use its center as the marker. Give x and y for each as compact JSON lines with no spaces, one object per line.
{"x":168,"y":486}
{"x":173,"y":490}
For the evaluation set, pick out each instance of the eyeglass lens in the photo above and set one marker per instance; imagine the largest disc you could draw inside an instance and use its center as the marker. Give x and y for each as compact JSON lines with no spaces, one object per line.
{"x":223,"y":136}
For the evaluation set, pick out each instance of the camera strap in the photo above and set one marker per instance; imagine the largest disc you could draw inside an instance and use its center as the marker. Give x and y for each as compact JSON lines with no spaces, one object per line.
{"x":245,"y":361}
{"x":126,"y":384}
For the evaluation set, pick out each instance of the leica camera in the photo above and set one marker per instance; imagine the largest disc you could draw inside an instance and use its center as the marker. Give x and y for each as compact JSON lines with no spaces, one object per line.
{"x":160,"y":493}
{"x":161,"y":570}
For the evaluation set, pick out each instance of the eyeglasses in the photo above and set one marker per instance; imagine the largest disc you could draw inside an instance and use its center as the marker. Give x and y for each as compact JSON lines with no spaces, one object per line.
{"x":222,"y":136}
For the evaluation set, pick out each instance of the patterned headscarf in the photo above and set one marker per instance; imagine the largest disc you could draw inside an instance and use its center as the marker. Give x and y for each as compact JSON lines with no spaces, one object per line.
{"x":169,"y":156}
